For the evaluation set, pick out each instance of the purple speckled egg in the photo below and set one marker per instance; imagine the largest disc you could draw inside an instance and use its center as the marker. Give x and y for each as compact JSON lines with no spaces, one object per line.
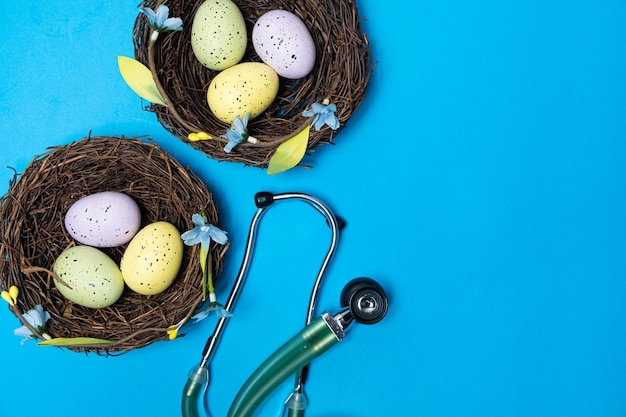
{"x":282,"y":41}
{"x":104,"y":220}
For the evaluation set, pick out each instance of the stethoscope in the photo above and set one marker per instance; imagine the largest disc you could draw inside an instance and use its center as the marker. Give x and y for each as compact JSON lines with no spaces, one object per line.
{"x":363,"y":301}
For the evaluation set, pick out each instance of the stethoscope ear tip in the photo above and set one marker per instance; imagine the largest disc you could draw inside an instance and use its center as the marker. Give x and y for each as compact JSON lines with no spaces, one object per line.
{"x":366,"y":300}
{"x":263,"y":199}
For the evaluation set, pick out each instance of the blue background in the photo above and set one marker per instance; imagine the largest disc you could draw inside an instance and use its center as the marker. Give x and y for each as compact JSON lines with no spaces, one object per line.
{"x":484,"y":184}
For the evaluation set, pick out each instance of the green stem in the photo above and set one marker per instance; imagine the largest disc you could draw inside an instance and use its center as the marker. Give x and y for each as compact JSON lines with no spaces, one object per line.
{"x":207,"y":272}
{"x":210,"y":283}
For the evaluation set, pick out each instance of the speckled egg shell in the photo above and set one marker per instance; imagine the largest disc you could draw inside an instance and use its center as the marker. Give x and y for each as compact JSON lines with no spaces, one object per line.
{"x":246,"y":87}
{"x":218,"y":34}
{"x":153,"y":258}
{"x":88,"y":277}
{"x":106,"y":219}
{"x":282,"y":41}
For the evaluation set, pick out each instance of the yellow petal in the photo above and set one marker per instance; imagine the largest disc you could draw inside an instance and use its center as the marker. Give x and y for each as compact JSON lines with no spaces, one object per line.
{"x":7,"y":297}
{"x":14,"y":291}
{"x":289,"y":153}
{"x":140,"y":79}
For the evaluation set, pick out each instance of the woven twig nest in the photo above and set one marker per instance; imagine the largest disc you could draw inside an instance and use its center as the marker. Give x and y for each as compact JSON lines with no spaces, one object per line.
{"x":32,"y":235}
{"x":341,"y":74}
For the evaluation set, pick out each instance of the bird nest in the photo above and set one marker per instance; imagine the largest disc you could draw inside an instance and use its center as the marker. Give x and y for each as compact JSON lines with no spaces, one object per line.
{"x":32,"y":235}
{"x":341,"y":73}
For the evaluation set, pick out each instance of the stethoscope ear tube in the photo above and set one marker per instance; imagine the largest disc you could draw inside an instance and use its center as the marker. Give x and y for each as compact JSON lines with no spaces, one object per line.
{"x":315,"y":339}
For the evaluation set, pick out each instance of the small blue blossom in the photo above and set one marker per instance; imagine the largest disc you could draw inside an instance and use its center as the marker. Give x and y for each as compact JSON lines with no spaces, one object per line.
{"x":160,"y":21}
{"x":213,"y":309}
{"x":203,"y":233}
{"x":238,"y":133}
{"x":324,"y":115}
{"x":36,"y":318}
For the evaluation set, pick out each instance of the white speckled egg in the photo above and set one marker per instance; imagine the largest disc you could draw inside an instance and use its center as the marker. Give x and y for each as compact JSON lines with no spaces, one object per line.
{"x":246,"y":87}
{"x":282,"y":41}
{"x":104,"y":219}
{"x":218,"y":34}
{"x":153,"y":258}
{"x":88,"y":277}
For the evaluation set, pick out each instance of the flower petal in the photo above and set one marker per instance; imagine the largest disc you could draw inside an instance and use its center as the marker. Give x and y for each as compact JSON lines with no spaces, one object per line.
{"x":200,"y":316}
{"x":31,"y":317}
{"x":23,"y":331}
{"x":223,"y":313}
{"x":238,"y":125}
{"x":149,"y":14}
{"x":198,"y":219}
{"x":332,"y":122}
{"x":192,"y":237}
{"x":218,"y":235}
{"x":319,"y":121}
{"x":161,"y":14}
{"x":230,"y":145}
{"x":205,"y":239}
{"x":174,"y":23}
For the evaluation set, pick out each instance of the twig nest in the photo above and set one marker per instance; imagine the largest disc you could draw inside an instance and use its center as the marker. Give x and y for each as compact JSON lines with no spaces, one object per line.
{"x":340,"y":72}
{"x":33,"y":235}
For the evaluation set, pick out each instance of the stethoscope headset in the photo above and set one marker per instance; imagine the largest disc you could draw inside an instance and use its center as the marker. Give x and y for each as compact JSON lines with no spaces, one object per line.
{"x":363,"y":300}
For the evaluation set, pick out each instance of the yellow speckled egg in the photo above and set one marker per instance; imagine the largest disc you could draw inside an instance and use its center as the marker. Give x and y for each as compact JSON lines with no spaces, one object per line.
{"x":87,"y":276}
{"x":246,"y":87}
{"x":153,"y":258}
{"x":218,"y":34}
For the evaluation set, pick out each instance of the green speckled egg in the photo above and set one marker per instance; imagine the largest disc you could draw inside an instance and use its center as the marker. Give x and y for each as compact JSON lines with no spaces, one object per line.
{"x":88,"y":277}
{"x":246,"y":87}
{"x":218,"y":34}
{"x":152,"y":259}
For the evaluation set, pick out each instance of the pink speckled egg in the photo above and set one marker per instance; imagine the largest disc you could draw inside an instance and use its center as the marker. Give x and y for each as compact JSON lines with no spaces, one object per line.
{"x":104,"y":220}
{"x":282,"y":41}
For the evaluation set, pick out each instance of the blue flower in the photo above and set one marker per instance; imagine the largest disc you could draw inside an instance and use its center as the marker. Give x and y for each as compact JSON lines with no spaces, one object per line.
{"x":214,"y":308}
{"x":36,"y":318}
{"x":160,"y":21}
{"x":238,"y":133}
{"x":203,"y":233}
{"x":324,"y":115}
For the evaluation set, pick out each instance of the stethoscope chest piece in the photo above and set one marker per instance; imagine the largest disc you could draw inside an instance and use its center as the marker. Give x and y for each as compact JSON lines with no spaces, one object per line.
{"x":366,"y":300}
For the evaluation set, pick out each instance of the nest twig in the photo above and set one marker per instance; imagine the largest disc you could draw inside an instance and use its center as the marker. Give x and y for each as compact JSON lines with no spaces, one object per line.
{"x":341,"y":73}
{"x":32,"y":235}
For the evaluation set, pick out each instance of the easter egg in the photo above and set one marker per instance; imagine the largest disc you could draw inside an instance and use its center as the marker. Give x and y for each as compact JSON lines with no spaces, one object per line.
{"x":282,"y":41}
{"x":218,"y":34}
{"x":153,"y":258}
{"x":88,"y":277}
{"x":104,"y":219}
{"x":246,"y":87}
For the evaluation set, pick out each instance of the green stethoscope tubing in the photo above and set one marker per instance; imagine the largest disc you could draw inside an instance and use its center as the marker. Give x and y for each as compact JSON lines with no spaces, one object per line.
{"x":199,"y":376}
{"x":191,"y":392}
{"x":299,"y":351}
